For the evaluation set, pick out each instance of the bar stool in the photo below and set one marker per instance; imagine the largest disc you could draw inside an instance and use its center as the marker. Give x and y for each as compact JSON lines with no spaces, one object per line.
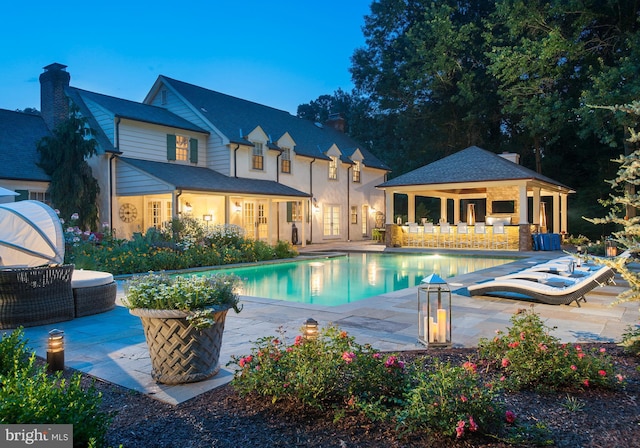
{"x":429,"y":235}
{"x":463,"y":237}
{"x":480,"y":236}
{"x":500,"y":237}
{"x":446,"y":235}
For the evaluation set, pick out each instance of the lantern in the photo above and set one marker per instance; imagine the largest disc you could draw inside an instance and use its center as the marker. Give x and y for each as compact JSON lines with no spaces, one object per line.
{"x":55,"y":350}
{"x":610,"y":247}
{"x":311,"y":329}
{"x":434,"y":312}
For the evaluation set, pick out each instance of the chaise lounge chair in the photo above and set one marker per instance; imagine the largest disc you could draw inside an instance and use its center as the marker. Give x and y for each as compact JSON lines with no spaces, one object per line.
{"x":550,"y":293}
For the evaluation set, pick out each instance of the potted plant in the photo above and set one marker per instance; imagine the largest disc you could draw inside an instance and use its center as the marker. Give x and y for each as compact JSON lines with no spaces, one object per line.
{"x":183,"y":321}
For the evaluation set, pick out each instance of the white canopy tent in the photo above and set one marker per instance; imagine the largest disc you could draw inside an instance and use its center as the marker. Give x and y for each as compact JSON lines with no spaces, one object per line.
{"x":30,"y":234}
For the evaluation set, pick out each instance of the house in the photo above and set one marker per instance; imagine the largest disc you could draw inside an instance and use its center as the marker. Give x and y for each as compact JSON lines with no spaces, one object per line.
{"x":189,"y":151}
{"x":19,"y":171}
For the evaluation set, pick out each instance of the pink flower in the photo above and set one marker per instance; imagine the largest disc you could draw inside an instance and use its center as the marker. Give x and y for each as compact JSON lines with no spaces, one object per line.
{"x":586,"y":383}
{"x":510,"y":416}
{"x":573,"y":367}
{"x":505,"y":362}
{"x":460,"y":429}
{"x":581,"y":355}
{"x":602,"y":349}
{"x":469,"y":366}
{"x":578,"y":348}
{"x":522,"y":336}
{"x":289,"y":349}
{"x":542,"y":347}
{"x":503,"y":378}
{"x":473,"y":427}
{"x":377,"y":356}
{"x":298,"y":340}
{"x":276,"y":341}
{"x":602,"y":373}
{"x":619,"y":377}
{"x":348,"y":357}
{"x":463,"y":398}
{"x":514,"y":344}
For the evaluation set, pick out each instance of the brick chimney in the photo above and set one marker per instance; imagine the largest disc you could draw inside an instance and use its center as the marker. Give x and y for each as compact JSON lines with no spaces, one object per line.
{"x":336,"y":122}
{"x":54,"y":104}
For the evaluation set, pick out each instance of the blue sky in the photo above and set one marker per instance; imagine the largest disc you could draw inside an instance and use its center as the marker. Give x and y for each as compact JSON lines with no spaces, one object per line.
{"x":275,"y":52}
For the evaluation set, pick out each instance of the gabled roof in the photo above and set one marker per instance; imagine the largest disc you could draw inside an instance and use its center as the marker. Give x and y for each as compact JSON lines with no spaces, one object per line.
{"x":470,"y":165}
{"x":235,"y":118}
{"x":19,"y":134}
{"x":139,"y":111}
{"x":185,"y":177}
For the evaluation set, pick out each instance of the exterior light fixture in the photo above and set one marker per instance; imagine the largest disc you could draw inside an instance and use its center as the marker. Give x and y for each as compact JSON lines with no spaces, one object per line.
{"x":187,"y":207}
{"x":207,"y":219}
{"x":237,"y":208}
{"x":311,"y":329}
{"x":316,"y":206}
{"x":434,"y":312}
{"x":55,"y":350}
{"x":611,"y":249}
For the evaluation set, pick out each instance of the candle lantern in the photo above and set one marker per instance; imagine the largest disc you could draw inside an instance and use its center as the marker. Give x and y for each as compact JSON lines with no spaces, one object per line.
{"x":55,"y":350}
{"x":311,"y":329}
{"x":611,"y":249}
{"x":434,"y":312}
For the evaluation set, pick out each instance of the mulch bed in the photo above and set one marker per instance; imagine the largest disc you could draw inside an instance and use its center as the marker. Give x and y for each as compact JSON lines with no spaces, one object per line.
{"x":220,"y":418}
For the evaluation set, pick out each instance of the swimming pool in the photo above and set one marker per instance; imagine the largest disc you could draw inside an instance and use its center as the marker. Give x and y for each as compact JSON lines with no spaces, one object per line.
{"x":339,"y":280}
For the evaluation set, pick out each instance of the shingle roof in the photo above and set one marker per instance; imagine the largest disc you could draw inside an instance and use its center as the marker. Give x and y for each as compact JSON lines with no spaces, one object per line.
{"x":140,"y":111}
{"x":203,"y":179}
{"x":472,"y":164}
{"x":19,"y":134}
{"x":236,"y":117}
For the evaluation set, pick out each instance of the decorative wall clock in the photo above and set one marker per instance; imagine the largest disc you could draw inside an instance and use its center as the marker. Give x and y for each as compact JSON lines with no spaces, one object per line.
{"x":128,"y":212}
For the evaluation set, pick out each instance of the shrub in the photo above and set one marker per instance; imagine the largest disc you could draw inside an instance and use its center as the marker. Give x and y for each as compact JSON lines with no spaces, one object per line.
{"x":528,"y":356}
{"x":332,"y":371}
{"x":631,"y":339}
{"x":452,"y":401}
{"x":30,"y":396}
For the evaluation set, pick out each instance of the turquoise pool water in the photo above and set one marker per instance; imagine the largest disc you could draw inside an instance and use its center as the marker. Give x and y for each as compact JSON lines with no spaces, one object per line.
{"x":356,"y":276}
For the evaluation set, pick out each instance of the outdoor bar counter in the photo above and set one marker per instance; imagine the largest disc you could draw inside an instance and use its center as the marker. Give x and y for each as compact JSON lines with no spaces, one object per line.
{"x":462,"y":236}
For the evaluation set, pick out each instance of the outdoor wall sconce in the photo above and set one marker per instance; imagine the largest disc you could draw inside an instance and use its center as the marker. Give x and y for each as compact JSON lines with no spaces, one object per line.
{"x":187,"y":207}
{"x":311,"y":329}
{"x":316,"y":207}
{"x":55,"y":351}
{"x":237,"y":207}
{"x":434,"y":312}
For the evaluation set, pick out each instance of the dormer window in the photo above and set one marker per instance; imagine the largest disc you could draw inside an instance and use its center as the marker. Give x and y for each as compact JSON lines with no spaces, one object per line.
{"x":285,"y":160}
{"x":333,"y":168}
{"x":356,"y":171}
{"x":257,"y":159}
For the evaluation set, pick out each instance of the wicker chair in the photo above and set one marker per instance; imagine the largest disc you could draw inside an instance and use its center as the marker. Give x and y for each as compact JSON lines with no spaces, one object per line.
{"x":35,"y":296}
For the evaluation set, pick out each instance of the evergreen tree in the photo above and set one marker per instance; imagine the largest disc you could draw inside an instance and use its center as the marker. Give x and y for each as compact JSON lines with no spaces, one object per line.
{"x":620,"y":200}
{"x":63,"y":156}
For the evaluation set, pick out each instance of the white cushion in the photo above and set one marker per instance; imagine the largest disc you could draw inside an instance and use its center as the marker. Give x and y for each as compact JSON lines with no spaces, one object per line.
{"x":87,"y":279}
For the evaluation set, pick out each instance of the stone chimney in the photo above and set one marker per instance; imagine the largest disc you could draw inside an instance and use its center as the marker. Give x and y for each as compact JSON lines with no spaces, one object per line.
{"x":54,"y":104}
{"x":511,"y":157}
{"x":336,"y":122}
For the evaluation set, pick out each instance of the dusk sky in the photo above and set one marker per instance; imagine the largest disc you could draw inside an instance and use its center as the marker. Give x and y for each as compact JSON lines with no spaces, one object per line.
{"x":278,"y":53}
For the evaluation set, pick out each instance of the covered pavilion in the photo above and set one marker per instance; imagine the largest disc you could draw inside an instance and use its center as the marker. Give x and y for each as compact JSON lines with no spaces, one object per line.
{"x":485,"y":187}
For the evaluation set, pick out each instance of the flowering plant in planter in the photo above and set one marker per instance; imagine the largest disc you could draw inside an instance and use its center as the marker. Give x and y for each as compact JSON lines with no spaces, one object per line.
{"x":199,"y":296}
{"x":183,"y":321}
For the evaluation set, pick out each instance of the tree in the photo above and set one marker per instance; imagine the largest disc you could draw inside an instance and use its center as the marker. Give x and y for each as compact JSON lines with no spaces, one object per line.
{"x":620,"y":200}
{"x":73,"y":189}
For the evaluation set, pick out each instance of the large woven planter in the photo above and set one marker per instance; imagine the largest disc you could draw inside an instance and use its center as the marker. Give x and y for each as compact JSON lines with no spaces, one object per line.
{"x":181,"y":353}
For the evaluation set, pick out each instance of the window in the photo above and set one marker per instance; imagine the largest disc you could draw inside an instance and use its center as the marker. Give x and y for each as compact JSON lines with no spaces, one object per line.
{"x":333,"y":168}
{"x":182,"y":147}
{"x":285,"y":158}
{"x":258,"y":157}
{"x":41,"y":196}
{"x":294,"y":212}
{"x":354,"y":215}
{"x":158,"y":212}
{"x":356,"y":172}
